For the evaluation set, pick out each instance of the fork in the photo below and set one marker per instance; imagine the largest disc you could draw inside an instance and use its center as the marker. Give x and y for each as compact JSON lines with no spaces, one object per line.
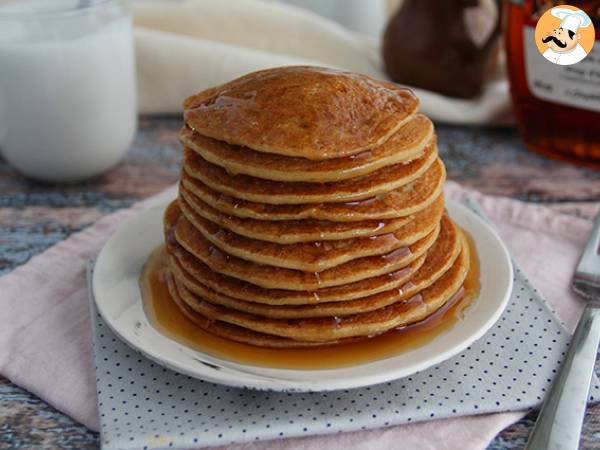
{"x":558,"y":426}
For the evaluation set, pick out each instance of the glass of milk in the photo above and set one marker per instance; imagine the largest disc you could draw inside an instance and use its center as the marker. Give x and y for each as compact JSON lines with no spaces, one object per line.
{"x":67,"y":87}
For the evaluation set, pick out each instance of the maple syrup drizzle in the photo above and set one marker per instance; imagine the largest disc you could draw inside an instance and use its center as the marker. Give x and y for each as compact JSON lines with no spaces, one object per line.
{"x":166,"y":317}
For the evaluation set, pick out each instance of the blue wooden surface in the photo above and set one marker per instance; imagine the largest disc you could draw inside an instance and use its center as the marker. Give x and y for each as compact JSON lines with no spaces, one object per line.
{"x":33,"y":216}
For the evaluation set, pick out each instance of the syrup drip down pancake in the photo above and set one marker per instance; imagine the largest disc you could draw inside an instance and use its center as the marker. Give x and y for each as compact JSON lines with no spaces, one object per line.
{"x":310,"y":212}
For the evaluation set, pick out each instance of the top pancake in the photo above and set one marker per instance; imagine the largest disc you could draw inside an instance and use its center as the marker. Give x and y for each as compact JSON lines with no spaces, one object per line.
{"x":309,"y":112}
{"x":406,"y":144}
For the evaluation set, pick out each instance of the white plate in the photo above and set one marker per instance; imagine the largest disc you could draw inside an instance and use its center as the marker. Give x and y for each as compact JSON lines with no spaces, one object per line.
{"x":118,"y":298}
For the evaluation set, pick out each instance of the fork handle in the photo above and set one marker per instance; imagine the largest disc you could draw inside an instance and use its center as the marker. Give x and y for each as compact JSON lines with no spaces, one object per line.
{"x":558,"y":426}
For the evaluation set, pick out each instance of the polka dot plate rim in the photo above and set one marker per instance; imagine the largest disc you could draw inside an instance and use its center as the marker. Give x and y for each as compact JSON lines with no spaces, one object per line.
{"x":118,"y":300}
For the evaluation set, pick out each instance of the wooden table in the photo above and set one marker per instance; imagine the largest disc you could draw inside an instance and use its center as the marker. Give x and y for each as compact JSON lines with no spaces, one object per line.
{"x":34,"y":216}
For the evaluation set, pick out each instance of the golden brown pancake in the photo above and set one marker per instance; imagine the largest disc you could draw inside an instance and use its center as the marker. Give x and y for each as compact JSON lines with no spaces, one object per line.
{"x":238,"y":289}
{"x":372,"y":323}
{"x":406,"y":144}
{"x":277,"y":192}
{"x":302,"y":111}
{"x":435,"y":265}
{"x":280,"y":278}
{"x":233,"y":332}
{"x":448,"y":241}
{"x":397,"y":203}
{"x":315,"y":256}
{"x":293,"y":231}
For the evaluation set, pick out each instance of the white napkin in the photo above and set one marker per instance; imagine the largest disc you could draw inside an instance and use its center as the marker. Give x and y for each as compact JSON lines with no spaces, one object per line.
{"x":184,"y":46}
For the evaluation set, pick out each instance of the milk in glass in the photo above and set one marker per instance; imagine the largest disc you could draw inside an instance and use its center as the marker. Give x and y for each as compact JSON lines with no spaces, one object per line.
{"x":67,"y":87}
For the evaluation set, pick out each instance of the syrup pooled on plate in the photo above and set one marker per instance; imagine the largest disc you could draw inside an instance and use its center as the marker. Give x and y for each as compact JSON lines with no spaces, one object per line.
{"x":167,"y":318}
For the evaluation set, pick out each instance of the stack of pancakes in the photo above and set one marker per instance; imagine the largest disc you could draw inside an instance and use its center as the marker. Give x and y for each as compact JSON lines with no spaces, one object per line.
{"x":310,"y":211}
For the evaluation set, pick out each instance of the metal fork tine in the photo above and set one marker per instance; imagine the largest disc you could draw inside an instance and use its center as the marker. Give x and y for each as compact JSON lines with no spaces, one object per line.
{"x":589,"y":264}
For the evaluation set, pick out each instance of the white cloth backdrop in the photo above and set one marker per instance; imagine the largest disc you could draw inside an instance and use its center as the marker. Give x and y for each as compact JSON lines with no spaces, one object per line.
{"x":184,"y":46}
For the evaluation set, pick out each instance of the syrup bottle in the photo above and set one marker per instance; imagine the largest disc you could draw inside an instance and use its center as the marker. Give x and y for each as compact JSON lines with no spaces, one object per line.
{"x":557,"y":107}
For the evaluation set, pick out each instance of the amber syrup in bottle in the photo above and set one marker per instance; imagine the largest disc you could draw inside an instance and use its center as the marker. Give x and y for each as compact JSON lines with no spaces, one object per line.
{"x":557,"y":107}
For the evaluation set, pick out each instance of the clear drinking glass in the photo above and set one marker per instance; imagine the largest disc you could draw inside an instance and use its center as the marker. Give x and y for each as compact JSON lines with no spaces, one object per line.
{"x":67,"y":86}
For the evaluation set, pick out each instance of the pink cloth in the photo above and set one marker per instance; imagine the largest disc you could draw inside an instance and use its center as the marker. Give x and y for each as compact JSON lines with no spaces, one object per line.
{"x":45,"y":331}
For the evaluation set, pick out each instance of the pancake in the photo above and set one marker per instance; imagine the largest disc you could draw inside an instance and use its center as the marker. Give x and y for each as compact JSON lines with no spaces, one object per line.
{"x":203,"y":275}
{"x":448,"y":241}
{"x":292,"y":111}
{"x":318,"y":255}
{"x":406,"y":144}
{"x":292,"y":231}
{"x":397,"y":203}
{"x":277,"y":192}
{"x":180,"y":229}
{"x":282,"y":278}
{"x":432,"y":267}
{"x":233,"y":332}
{"x":372,"y":323}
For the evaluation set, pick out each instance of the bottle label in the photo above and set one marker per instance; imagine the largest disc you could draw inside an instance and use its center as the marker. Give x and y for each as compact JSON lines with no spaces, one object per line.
{"x":577,"y":85}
